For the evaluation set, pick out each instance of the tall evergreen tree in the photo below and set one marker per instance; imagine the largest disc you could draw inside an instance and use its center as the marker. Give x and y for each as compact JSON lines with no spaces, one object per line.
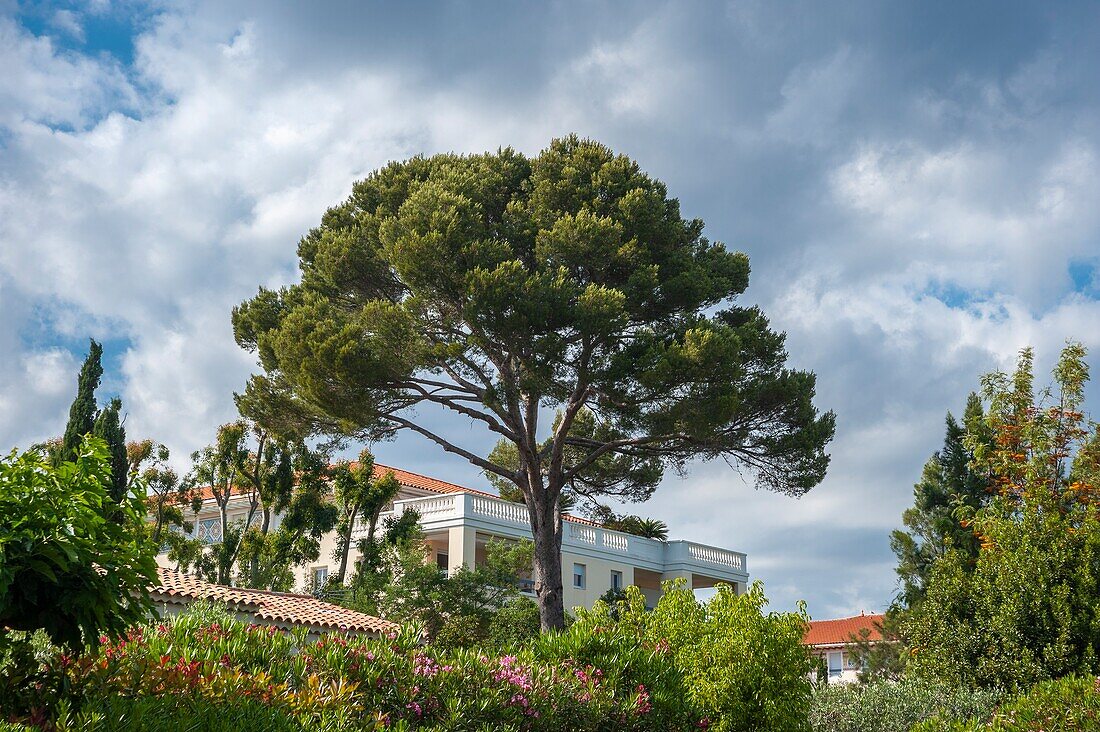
{"x":82,"y":413}
{"x":1028,"y":609}
{"x":108,"y":427}
{"x":931,"y":525}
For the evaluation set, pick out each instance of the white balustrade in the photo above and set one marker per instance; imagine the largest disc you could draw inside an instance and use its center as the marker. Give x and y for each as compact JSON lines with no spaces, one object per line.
{"x":498,"y":509}
{"x":432,"y":509}
{"x":615,"y":540}
{"x":458,"y":505}
{"x":714,"y":555}
{"x":582,"y":533}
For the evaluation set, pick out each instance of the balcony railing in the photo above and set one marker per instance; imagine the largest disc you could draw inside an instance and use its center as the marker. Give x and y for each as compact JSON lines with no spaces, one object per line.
{"x":512,"y":519}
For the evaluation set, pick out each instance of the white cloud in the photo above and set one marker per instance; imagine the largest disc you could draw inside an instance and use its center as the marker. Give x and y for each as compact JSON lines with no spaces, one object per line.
{"x":50,"y":372}
{"x":977,"y":218}
{"x":68,"y":22}
{"x":904,"y":255}
{"x":41,"y":83}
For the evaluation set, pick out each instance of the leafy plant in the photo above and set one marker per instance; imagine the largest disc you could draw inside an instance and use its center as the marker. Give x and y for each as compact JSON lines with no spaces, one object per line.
{"x":1029,"y":608}
{"x":1071,"y":704}
{"x":73,"y":562}
{"x":888,"y":706}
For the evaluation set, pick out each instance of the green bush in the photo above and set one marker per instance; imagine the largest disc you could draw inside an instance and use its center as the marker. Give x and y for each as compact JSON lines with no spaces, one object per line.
{"x":725,"y":666}
{"x":726,"y":662}
{"x":515,"y":623}
{"x":887,"y":706}
{"x":1070,"y":704}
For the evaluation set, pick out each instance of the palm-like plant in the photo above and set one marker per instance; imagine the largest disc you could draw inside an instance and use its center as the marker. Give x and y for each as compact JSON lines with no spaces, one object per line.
{"x":647,"y":527}
{"x":651,"y":528}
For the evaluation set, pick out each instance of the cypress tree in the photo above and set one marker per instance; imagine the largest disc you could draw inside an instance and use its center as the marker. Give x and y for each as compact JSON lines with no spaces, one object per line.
{"x":82,"y":414}
{"x":108,"y":427}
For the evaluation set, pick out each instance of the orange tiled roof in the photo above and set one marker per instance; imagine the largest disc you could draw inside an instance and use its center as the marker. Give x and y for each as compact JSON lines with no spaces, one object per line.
{"x":279,"y":607}
{"x":433,"y":485}
{"x":841,"y":630}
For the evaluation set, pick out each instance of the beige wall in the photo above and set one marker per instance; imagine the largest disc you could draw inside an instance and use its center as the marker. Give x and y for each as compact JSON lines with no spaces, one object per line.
{"x":597,"y":579}
{"x":463,"y":545}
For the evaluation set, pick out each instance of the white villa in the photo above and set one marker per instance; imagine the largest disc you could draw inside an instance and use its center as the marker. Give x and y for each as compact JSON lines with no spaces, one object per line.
{"x":458,"y":522}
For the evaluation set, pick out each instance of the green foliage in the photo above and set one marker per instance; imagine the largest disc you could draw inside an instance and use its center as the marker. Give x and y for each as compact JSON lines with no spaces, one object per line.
{"x":82,"y":413}
{"x":166,"y":494}
{"x":72,"y":561}
{"x":648,"y":527}
{"x":728,"y":660}
{"x":219,"y":467}
{"x":359,"y":496}
{"x":266,"y":558}
{"x":503,"y":288}
{"x":886,"y":706}
{"x":166,"y":674}
{"x":881,"y":658}
{"x":454,"y":610}
{"x":180,"y":714}
{"x":738,"y":669}
{"x":947,"y":482}
{"x":1071,"y":704}
{"x":108,"y":427}
{"x":1029,"y":609}
{"x":515,"y":623}
{"x":748,"y":668}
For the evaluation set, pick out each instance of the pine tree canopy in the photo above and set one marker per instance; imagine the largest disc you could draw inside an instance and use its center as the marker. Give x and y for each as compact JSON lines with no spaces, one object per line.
{"x":506,"y":288}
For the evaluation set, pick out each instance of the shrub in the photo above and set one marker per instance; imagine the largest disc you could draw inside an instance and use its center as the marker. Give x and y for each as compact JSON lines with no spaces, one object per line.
{"x":179,"y":714}
{"x":1067,"y":705}
{"x":515,"y":623}
{"x":63,"y":536}
{"x":887,"y":706}
{"x":724,"y":666}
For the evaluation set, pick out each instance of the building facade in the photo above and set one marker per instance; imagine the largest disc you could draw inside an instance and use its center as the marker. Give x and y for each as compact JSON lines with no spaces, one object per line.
{"x":459,"y":522}
{"x":833,"y":643}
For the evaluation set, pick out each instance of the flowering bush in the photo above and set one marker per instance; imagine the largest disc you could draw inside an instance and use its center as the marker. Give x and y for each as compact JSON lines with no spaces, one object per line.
{"x":205,"y":659}
{"x":722,"y":665}
{"x":686,"y":666}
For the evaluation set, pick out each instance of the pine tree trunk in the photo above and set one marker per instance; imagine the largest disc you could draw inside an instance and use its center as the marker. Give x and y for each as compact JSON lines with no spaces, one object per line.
{"x":546,"y":527}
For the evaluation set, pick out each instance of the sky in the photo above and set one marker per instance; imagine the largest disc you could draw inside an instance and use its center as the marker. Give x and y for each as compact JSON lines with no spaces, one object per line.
{"x":916,"y":186}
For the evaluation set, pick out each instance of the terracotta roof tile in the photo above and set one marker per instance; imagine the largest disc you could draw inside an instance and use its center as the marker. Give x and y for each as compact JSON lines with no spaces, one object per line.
{"x":282,"y":607}
{"x":841,"y":630}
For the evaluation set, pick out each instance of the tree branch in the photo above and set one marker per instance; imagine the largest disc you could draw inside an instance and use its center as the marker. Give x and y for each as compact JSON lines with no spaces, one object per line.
{"x":450,"y":447}
{"x":602,"y":448}
{"x":451,"y":403}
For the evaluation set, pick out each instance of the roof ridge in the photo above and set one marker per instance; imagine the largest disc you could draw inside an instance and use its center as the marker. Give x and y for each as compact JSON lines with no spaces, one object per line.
{"x":277,"y":593}
{"x":849,"y":617}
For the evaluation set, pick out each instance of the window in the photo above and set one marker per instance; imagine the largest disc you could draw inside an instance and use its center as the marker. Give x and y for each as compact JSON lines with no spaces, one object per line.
{"x":616,"y":580}
{"x":320,"y":577}
{"x":442,"y":560}
{"x":210,"y":530}
{"x":836,"y":664}
{"x":578,"y":576}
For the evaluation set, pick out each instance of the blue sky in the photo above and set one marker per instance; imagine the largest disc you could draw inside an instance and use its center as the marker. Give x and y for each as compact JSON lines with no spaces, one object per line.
{"x":916,"y":185}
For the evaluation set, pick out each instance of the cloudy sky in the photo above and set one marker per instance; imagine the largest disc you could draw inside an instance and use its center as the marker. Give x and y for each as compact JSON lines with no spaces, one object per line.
{"x":916,"y":185}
